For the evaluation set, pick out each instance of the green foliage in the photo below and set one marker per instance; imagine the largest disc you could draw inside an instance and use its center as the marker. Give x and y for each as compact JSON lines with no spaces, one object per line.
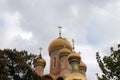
{"x":17,"y":65}
{"x":109,"y":65}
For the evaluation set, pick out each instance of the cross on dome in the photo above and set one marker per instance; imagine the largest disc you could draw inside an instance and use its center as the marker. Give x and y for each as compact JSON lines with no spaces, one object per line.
{"x":40,"y":50}
{"x":59,"y":30}
{"x":73,"y":45}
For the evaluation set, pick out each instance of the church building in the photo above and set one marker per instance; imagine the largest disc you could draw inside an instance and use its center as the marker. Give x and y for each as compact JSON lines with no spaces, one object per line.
{"x":65,"y":62}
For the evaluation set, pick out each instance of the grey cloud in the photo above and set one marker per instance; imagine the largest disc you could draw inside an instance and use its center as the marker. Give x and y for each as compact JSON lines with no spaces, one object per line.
{"x":81,"y":19}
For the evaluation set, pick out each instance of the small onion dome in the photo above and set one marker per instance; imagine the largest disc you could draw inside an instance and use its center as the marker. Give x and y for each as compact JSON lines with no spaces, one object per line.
{"x":82,"y":66}
{"x":76,"y":76}
{"x":58,"y":44}
{"x":64,"y":51}
{"x":39,"y":61}
{"x":74,"y":56}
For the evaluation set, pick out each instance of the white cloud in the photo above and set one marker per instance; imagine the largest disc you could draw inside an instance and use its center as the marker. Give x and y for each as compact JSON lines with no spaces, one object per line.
{"x":25,"y":35}
{"x":12,"y":29}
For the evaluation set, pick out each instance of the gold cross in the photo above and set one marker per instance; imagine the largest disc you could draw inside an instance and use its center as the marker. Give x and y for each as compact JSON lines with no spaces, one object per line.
{"x":40,"y":49}
{"x":73,"y":44}
{"x":59,"y":30}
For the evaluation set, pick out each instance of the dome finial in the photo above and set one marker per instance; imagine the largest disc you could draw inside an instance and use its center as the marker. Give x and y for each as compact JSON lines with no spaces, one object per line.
{"x":40,"y":51}
{"x":73,"y":45}
{"x":64,"y":46}
{"x":59,"y":30}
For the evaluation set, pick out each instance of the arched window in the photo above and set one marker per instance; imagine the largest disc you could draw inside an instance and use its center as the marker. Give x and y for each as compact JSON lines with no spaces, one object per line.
{"x":60,"y":78}
{"x":48,"y":77}
{"x":55,"y":62}
{"x":62,"y":63}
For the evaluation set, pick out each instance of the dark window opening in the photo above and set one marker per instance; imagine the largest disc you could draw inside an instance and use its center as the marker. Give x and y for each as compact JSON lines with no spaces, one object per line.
{"x":60,"y":78}
{"x":55,"y":62}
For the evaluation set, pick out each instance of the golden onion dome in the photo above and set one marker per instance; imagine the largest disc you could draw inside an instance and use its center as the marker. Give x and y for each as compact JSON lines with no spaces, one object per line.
{"x":76,"y":76}
{"x":58,"y":44}
{"x":39,"y":61}
{"x":82,"y":65}
{"x":74,"y":56}
{"x":64,"y":51}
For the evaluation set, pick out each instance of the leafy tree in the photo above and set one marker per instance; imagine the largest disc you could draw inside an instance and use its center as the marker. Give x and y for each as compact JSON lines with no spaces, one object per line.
{"x":110,"y":65}
{"x":17,"y":65}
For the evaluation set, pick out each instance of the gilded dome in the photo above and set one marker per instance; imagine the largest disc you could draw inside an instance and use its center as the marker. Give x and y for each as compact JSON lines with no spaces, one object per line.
{"x":39,"y":61}
{"x":82,"y":65}
{"x":76,"y":76}
{"x":58,"y":44}
{"x":64,"y":51}
{"x":74,"y":56}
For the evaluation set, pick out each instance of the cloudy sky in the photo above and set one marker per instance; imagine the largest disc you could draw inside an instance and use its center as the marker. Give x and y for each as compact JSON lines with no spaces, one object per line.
{"x":30,"y":24}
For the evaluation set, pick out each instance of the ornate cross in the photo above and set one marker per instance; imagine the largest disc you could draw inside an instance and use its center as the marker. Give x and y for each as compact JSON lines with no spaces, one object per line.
{"x":40,"y":49}
{"x":59,"y":30}
{"x":73,"y":44}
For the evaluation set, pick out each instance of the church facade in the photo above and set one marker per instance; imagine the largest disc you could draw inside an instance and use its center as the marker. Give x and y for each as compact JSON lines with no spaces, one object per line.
{"x":65,"y":63}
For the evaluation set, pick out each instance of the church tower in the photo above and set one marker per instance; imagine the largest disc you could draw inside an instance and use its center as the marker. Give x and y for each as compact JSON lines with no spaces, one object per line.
{"x":65,"y":63}
{"x":39,"y":64}
{"x":54,"y":51}
{"x":74,"y":60}
{"x":83,"y":68}
{"x":65,"y":67}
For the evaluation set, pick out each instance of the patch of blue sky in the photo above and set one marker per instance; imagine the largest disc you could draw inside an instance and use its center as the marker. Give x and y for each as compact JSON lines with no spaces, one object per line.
{"x":94,"y":35}
{"x":2,"y":23}
{"x":92,"y":39}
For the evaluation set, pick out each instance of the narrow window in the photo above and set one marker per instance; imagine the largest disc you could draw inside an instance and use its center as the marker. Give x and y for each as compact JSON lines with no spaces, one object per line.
{"x":55,"y":62}
{"x":62,"y":63}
